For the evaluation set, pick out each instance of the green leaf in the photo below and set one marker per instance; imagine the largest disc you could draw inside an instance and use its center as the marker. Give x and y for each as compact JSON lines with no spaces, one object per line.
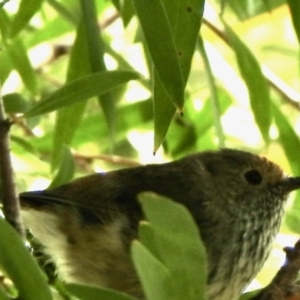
{"x":294,"y":6}
{"x":4,"y":24}
{"x":96,"y":45}
{"x":127,"y":12}
{"x":24,"y":143}
{"x":66,"y":169}
{"x":17,"y":262}
{"x":49,"y":31}
{"x":5,"y":65}
{"x":214,"y":99}
{"x":3,"y":295}
{"x":178,"y":243}
{"x":20,"y":60}
{"x":257,"y":86}
{"x":289,"y":139}
{"x":155,"y":277}
{"x":206,"y":114}
{"x":171,"y":42}
{"x":25,"y":12}
{"x":185,"y":19}
{"x":82,"y":89}
{"x":14,"y":103}
{"x":146,"y":237}
{"x":68,"y":118}
{"x":85,"y":292}
{"x":164,"y":111}
{"x":161,"y":45}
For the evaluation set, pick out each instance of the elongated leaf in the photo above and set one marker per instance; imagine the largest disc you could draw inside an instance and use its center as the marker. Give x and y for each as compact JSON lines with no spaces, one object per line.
{"x":155,"y":277}
{"x":82,"y":89}
{"x":69,"y":117}
{"x":95,"y":55}
{"x":185,"y":19}
{"x":289,"y":141}
{"x":66,"y":168}
{"x":85,"y":292}
{"x":5,"y":66}
{"x":295,"y":12}
{"x":288,"y":138}
{"x":16,"y":261}
{"x":26,"y":10}
{"x":20,"y":60}
{"x":161,"y":45}
{"x":206,"y":115}
{"x":3,"y":296}
{"x":255,"y":81}
{"x":146,"y":237}
{"x":4,"y":24}
{"x":164,"y":111}
{"x":214,"y":99}
{"x":179,"y":246}
{"x":49,"y":31}
{"x":15,"y":103}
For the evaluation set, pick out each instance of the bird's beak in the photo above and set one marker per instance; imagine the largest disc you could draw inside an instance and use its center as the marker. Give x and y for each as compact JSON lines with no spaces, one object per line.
{"x":290,"y":184}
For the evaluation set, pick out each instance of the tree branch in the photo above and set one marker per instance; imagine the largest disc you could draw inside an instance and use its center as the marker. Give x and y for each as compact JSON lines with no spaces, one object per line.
{"x":11,"y":205}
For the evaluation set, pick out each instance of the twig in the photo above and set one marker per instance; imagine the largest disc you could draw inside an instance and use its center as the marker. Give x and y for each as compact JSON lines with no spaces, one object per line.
{"x":283,"y":285}
{"x":114,"y":159}
{"x":109,"y":20}
{"x":11,"y":206}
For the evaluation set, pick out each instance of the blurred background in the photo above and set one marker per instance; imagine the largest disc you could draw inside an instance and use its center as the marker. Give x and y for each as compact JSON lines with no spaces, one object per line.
{"x":242,"y":92}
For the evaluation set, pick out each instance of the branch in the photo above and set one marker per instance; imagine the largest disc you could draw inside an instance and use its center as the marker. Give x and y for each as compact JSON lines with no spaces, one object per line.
{"x":11,"y":205}
{"x":284,"y":285}
{"x":113,"y":159}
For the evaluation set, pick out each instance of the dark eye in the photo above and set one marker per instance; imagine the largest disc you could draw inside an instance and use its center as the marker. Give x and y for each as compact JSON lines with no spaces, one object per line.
{"x":253,"y":177}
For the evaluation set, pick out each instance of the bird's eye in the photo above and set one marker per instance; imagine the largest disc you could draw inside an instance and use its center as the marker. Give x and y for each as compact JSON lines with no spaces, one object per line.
{"x":253,"y":177}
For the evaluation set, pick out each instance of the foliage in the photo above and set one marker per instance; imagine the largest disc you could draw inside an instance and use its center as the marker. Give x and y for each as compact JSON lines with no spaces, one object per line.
{"x":97,"y":85}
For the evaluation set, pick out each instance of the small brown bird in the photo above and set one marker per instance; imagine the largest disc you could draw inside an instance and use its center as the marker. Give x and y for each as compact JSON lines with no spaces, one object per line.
{"x":236,"y":199}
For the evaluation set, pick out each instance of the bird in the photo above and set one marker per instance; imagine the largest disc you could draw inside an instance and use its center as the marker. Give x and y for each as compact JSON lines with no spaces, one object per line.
{"x":235,"y":198}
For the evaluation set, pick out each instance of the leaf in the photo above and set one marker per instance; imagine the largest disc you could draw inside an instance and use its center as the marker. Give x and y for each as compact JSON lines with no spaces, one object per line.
{"x":294,"y":6}
{"x":20,"y":60}
{"x":68,"y":118}
{"x":85,"y":292}
{"x":289,"y":139}
{"x":257,"y":86}
{"x":49,"y":31}
{"x":14,"y":103}
{"x":66,"y":169}
{"x":17,"y":262}
{"x":164,"y":111}
{"x":3,"y":295}
{"x":146,"y":237}
{"x":4,"y":24}
{"x":214,"y":99}
{"x":155,"y":277}
{"x":161,"y":45}
{"x":171,"y":42}
{"x":185,"y":19}
{"x":95,"y":45}
{"x":24,"y":143}
{"x":25,"y":12}
{"x":178,"y":243}
{"x":206,"y":114}
{"x":82,"y":89}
